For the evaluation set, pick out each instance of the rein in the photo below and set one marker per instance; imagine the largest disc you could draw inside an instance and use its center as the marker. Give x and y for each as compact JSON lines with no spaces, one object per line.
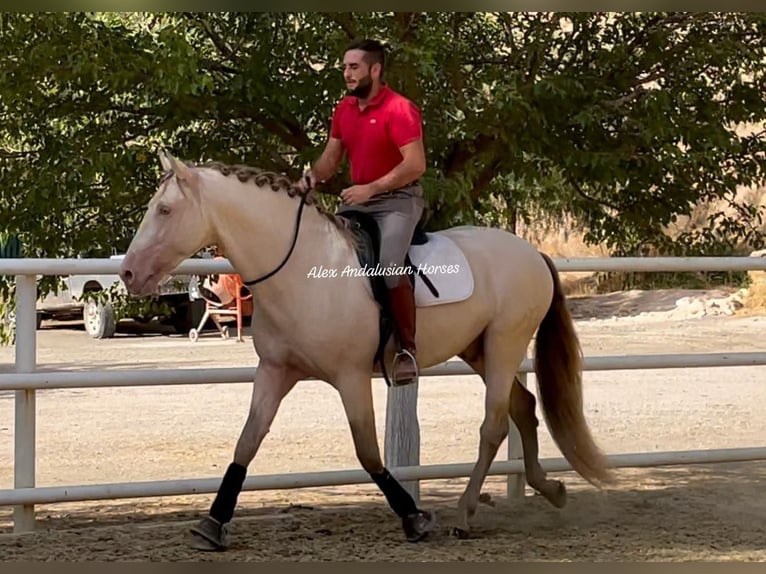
{"x":292,"y":246}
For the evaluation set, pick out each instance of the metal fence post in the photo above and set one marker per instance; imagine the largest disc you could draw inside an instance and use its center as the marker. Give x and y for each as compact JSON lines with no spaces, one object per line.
{"x":24,"y":431}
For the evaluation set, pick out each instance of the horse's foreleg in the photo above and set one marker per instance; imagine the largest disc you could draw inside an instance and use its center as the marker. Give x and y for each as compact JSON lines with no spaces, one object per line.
{"x":523,"y":414}
{"x":271,"y":385}
{"x":356,"y":395}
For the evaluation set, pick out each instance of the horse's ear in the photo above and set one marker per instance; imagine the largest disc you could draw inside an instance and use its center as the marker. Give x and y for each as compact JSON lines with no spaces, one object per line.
{"x":169,"y":162}
{"x":165,"y":160}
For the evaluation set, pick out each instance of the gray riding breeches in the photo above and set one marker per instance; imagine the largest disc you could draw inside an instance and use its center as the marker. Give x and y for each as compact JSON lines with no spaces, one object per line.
{"x":397,"y":213}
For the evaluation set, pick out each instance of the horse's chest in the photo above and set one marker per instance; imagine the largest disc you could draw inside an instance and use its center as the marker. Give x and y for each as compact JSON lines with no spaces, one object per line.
{"x":282,"y":345}
{"x":318,"y":334}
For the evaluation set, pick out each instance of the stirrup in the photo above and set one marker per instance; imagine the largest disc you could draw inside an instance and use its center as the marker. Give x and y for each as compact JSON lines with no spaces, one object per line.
{"x":397,"y":358}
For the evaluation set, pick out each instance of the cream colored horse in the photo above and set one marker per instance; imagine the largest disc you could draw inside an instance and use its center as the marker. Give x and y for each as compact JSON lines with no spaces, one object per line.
{"x":304,"y":326}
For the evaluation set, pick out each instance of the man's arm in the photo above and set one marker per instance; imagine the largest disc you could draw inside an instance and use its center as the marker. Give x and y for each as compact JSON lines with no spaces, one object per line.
{"x":412,"y":166}
{"x":329,"y":162}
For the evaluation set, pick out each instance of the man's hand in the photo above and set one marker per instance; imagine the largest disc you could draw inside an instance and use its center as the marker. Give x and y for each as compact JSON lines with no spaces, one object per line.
{"x":357,"y":194}
{"x":307,"y":181}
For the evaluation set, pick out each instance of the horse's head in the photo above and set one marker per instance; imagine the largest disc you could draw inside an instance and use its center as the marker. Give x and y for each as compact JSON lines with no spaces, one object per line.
{"x":173,"y":229}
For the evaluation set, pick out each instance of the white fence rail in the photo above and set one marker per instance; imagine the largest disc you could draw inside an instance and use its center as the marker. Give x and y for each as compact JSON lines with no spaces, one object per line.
{"x":26,"y":380}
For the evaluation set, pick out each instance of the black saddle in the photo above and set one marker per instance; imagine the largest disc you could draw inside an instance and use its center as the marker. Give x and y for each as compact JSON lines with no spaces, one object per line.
{"x":367,"y":235}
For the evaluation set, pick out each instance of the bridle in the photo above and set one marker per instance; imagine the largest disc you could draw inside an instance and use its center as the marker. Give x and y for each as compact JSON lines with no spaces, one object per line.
{"x":292,"y":245}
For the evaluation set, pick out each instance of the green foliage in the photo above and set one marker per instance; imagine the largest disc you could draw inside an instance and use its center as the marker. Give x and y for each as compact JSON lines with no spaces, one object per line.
{"x":624,"y":120}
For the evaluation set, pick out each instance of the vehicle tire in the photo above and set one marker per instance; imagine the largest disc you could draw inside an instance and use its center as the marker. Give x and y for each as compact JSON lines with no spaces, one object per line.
{"x":99,"y":320}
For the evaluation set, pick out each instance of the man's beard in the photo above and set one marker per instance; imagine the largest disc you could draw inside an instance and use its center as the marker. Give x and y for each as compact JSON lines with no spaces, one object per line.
{"x":363,"y":88}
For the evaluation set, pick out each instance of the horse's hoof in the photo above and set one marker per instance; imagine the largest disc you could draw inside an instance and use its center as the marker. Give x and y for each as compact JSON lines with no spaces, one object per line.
{"x":486,"y":498}
{"x":417,"y":526}
{"x":459,"y":533}
{"x":557,"y":495}
{"x":210,"y":535}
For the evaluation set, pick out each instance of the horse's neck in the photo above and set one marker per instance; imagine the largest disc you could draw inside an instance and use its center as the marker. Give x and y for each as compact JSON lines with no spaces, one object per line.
{"x":257,"y":236}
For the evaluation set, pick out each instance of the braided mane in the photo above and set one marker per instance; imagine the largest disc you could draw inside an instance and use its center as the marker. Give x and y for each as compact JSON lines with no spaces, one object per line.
{"x":277,"y":182}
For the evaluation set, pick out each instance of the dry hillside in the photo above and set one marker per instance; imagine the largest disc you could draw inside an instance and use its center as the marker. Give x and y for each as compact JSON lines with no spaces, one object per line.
{"x":566,"y":239}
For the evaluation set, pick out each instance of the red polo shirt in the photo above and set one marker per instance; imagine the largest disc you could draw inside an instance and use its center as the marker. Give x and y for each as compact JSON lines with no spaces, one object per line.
{"x":372,"y":137}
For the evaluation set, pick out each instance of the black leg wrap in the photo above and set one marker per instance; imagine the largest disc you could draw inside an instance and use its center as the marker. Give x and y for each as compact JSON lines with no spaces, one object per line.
{"x":399,"y":499}
{"x":226,"y":499}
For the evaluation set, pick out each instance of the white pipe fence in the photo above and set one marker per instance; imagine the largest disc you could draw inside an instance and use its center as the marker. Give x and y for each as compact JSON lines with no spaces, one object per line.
{"x":401,"y":449}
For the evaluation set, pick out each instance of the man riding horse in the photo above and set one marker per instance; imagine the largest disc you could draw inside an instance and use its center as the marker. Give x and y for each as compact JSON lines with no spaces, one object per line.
{"x":381,"y":132}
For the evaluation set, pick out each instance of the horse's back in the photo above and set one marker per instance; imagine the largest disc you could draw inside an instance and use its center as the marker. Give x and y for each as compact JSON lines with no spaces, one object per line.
{"x":504,"y":265}
{"x":502,"y":247}
{"x":512,"y":291}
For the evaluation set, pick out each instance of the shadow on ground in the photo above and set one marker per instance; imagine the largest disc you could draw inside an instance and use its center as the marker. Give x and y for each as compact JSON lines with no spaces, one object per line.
{"x":713,"y":513}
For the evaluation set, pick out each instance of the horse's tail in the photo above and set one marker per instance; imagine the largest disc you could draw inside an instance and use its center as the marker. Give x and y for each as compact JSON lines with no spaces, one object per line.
{"x":558,"y":364}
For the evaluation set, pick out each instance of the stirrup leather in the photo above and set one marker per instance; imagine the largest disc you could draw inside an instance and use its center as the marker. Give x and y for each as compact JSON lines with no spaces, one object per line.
{"x":404,"y":353}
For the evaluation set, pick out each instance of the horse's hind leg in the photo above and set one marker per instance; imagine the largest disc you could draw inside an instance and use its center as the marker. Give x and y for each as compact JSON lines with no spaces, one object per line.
{"x":272,"y":383}
{"x":356,"y":395}
{"x":522,"y":412}
{"x":501,"y":359}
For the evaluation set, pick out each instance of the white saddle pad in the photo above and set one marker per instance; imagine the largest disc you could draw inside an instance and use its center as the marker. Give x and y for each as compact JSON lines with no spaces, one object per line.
{"x":445,"y":266}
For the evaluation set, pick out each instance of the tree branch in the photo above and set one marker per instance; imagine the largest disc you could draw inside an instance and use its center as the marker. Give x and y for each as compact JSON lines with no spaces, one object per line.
{"x":534,"y":59}
{"x":219,"y":43}
{"x":638,"y":90}
{"x":585,"y":196}
{"x":454,"y":63}
{"x":346,"y":22}
{"x":296,"y":139}
{"x":213,"y":66}
{"x":15,"y":154}
{"x":271,"y":118}
{"x":649,"y":25}
{"x":484,"y":179}
{"x":463,"y":152}
{"x":498,"y":61}
{"x":656,"y":22}
{"x":408,"y":23}
{"x":565,"y":46}
{"x":508,"y":28}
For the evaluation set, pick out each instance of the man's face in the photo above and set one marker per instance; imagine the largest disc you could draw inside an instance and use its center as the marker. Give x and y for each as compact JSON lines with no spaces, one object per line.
{"x":357,"y":73}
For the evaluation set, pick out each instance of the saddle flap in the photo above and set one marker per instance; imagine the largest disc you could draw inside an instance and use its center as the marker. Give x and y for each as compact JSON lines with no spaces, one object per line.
{"x":442,"y":263}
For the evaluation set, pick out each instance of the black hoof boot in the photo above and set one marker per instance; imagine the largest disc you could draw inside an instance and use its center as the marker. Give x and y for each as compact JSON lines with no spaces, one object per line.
{"x":417,"y":526}
{"x":459,"y":533}
{"x":210,"y":535}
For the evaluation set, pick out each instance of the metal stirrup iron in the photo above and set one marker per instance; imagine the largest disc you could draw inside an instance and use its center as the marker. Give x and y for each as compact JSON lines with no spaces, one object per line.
{"x":397,"y":358}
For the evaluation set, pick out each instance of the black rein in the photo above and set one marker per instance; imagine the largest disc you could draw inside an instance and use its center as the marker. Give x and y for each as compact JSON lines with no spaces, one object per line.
{"x":295,"y":239}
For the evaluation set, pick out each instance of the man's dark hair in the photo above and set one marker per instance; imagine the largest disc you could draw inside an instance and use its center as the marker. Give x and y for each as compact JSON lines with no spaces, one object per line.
{"x":375,"y":52}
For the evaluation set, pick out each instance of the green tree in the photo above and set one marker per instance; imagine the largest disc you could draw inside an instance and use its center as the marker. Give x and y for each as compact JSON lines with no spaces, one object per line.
{"x":624,"y":120}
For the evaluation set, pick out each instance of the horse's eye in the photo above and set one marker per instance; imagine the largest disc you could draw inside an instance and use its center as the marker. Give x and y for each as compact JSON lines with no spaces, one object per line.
{"x":163,"y":210}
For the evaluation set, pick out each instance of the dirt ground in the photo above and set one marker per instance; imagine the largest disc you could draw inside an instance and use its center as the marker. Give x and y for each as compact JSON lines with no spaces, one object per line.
{"x":701,"y":512}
